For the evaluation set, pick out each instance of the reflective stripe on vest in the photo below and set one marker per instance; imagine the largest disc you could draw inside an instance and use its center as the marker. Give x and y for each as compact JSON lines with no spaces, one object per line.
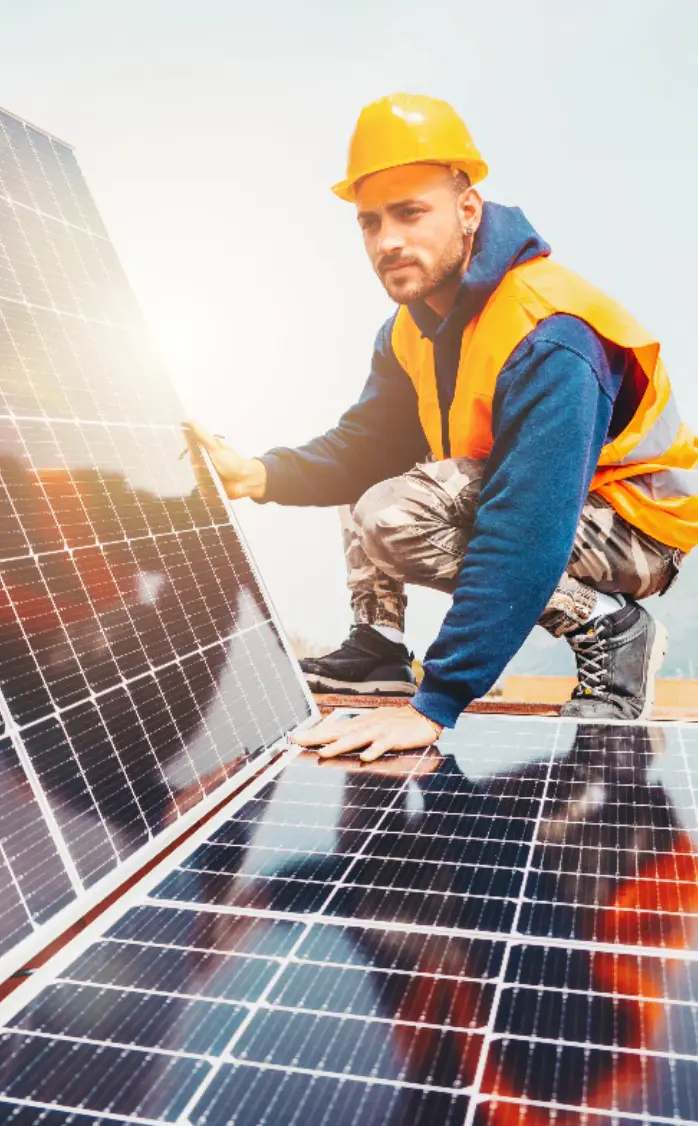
{"x":649,"y":472}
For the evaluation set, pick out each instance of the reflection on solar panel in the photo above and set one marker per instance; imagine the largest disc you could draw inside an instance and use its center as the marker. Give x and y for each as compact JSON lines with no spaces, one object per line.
{"x":139,"y":663}
{"x":506,"y":932}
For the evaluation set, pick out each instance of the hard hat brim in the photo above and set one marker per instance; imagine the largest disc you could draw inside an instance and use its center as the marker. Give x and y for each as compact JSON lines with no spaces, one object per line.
{"x":475,"y":170}
{"x":345,"y":190}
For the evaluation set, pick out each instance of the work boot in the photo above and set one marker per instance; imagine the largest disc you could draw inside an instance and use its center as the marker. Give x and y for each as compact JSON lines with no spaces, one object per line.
{"x":618,"y":657}
{"x":366,"y":664}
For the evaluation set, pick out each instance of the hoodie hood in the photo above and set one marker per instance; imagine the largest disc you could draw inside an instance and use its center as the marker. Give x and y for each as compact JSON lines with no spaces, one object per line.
{"x":504,"y":239}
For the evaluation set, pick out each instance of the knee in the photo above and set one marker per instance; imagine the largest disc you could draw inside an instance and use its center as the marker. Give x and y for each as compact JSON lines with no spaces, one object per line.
{"x":404,"y":529}
{"x":369,"y":512}
{"x":382,"y":523}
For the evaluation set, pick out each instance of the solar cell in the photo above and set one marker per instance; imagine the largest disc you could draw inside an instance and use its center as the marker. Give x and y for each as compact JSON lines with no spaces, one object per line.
{"x":405,"y":1010}
{"x":294,"y":1097}
{"x":15,"y":1114}
{"x":197,"y":930}
{"x":139,"y":1083}
{"x":167,"y":970}
{"x":140,"y":663}
{"x":33,"y":879}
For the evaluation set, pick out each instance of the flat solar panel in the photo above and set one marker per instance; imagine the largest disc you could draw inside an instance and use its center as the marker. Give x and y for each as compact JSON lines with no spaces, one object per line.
{"x":140,"y":662}
{"x":538,"y":963}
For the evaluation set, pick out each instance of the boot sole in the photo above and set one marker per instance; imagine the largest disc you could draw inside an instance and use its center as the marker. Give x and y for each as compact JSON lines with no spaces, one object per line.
{"x":660,"y":644}
{"x":361,"y":687}
{"x":657,"y":655}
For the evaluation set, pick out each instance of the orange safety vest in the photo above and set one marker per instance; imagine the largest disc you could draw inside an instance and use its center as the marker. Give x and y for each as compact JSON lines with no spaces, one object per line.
{"x":649,"y":472}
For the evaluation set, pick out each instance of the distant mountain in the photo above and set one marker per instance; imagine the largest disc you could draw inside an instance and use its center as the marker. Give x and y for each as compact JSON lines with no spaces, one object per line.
{"x":542,"y":655}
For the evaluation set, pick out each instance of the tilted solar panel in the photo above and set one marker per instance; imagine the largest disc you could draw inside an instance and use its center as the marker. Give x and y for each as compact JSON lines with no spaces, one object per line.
{"x":505,"y":932}
{"x":140,"y":665}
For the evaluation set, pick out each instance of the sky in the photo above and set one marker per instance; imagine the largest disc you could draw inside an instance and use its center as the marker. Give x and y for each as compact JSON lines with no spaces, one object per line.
{"x":210,"y":133}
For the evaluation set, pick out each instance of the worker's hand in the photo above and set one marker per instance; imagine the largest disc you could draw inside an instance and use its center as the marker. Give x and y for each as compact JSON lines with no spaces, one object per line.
{"x":395,"y":766}
{"x":241,"y":476}
{"x":380,"y":730}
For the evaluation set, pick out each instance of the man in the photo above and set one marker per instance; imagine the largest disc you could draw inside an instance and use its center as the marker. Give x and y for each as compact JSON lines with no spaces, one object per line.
{"x":516,"y":444}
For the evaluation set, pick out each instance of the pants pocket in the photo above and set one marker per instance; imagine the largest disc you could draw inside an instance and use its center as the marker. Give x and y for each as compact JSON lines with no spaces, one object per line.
{"x":673,"y":567}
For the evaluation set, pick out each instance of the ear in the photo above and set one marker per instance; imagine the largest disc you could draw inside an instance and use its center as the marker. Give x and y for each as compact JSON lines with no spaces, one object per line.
{"x":469,"y":207}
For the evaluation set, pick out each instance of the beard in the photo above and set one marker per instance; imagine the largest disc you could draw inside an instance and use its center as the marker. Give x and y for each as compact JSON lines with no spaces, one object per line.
{"x":420,"y":281}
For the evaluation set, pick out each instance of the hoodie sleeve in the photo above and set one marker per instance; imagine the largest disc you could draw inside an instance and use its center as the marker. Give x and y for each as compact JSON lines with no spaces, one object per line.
{"x":551,"y":414}
{"x":379,"y":437}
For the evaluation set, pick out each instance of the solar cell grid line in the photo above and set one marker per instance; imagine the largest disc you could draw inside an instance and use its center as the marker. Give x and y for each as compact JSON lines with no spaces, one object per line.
{"x":34,"y":799}
{"x":345,"y":877}
{"x":624,"y":980}
{"x":644,"y":861}
{"x":19,"y":1114}
{"x":653,"y":1076}
{"x":165,"y":970}
{"x":468,"y":896}
{"x":190,"y":1111}
{"x":331,"y":944}
{"x":690,"y":791}
{"x":33,"y":878}
{"x":597,"y":947}
{"x":48,"y":1033}
{"x":314,"y":891}
{"x":29,"y":183}
{"x":554,"y":989}
{"x":512,"y":861}
{"x":489,"y":1029}
{"x":179,"y":1077}
{"x":129,"y":690}
{"x":529,"y":1112}
{"x":56,"y":571}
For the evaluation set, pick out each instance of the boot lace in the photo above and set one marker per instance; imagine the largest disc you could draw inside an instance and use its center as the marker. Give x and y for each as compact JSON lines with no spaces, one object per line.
{"x":590,"y":651}
{"x":350,"y":645}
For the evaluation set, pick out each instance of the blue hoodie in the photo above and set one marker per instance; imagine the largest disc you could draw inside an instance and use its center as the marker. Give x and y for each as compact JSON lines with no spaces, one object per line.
{"x":553,"y":411}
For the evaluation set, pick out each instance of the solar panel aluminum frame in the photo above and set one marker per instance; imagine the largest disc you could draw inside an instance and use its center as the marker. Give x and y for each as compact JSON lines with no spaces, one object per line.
{"x":28,"y":989}
{"x":33,"y":125}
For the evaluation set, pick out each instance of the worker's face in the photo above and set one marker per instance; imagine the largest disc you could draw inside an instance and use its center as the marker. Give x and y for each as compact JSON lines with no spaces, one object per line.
{"x":413,"y":224}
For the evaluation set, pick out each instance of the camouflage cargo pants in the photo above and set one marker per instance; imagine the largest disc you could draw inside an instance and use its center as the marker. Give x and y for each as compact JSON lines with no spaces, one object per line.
{"x":416,"y":528}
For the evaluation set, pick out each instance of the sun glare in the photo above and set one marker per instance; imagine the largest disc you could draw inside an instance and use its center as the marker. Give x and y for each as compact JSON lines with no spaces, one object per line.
{"x":182,"y":340}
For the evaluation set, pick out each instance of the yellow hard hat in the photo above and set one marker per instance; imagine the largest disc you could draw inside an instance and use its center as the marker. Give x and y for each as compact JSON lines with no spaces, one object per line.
{"x":408,"y":129}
